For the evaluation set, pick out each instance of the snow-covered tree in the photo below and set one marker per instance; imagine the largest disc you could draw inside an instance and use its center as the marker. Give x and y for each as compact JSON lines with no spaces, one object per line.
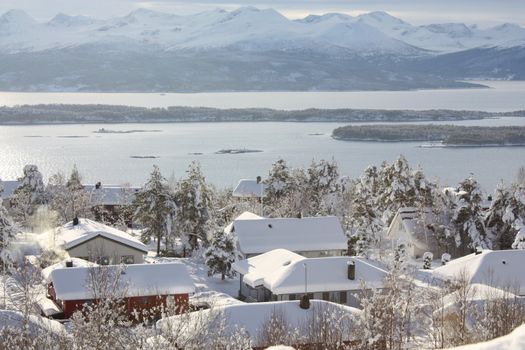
{"x":467,"y":223}
{"x":194,"y":205}
{"x":365,"y":225}
{"x":277,"y":183}
{"x":400,"y":186}
{"x":519,"y":241}
{"x":154,"y":203}
{"x":501,"y":216}
{"x":221,"y":254}
{"x":323,"y":187}
{"x":68,"y":197}
{"x":28,"y":195}
{"x":8,"y":231}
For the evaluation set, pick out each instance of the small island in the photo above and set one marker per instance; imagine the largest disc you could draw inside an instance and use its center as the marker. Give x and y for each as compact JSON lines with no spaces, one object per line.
{"x":437,"y":135}
{"x":144,"y":157}
{"x":107,"y":131}
{"x":237,"y":151}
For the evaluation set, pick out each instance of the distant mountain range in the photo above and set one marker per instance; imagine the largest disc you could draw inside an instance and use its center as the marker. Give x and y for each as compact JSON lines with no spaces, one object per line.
{"x":250,"y":50}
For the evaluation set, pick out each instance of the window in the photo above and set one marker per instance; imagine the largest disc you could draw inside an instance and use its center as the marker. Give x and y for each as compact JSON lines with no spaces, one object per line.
{"x":326,"y":296}
{"x":127,"y":259}
{"x":144,"y":301}
{"x":291,"y":297}
{"x":342,"y":297}
{"x":103,"y":260}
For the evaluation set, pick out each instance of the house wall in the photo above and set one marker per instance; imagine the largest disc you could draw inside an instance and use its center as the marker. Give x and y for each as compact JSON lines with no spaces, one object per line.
{"x":103,"y":247}
{"x":150,"y":303}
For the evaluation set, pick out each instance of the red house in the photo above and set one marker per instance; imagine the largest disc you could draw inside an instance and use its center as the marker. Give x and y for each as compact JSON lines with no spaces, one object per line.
{"x":140,"y":286}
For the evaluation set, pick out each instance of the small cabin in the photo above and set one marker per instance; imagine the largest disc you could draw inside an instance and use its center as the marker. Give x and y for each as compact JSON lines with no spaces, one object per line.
{"x":93,"y":241}
{"x":141,"y":287}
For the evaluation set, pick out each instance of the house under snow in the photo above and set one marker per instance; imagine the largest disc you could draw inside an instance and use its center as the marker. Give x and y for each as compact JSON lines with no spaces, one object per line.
{"x":283,"y":275}
{"x":252,"y":318}
{"x":409,"y":227}
{"x":93,"y":241}
{"x":247,"y":188}
{"x":141,"y":286}
{"x":497,"y":268}
{"x":310,"y":237}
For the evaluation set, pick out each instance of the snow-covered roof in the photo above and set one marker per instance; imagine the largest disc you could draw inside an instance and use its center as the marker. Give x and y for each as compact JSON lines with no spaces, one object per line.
{"x":111,"y":194}
{"x":252,"y":316}
{"x":283,"y":272}
{"x":498,"y":268}
{"x":513,"y":341}
{"x":77,"y":262}
{"x":249,"y":188}
{"x":244,"y":216}
{"x":73,"y":235}
{"x":298,"y":235}
{"x":72,"y":283}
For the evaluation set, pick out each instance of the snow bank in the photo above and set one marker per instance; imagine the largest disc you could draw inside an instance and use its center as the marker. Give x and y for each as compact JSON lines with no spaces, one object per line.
{"x":513,"y":341}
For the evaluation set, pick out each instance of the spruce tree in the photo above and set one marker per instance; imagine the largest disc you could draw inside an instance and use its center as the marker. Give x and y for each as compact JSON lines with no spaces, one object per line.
{"x":8,"y":231}
{"x":153,"y":205}
{"x":194,"y":204}
{"x":221,"y":254}
{"x":29,"y":194}
{"x":278,"y":183}
{"x":467,"y":221}
{"x":500,"y":218}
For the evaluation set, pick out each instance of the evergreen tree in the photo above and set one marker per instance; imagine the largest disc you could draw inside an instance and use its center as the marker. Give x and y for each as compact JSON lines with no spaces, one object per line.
{"x":194,"y":204}
{"x":364,"y":221}
{"x":400,"y":186}
{"x":278,"y":183}
{"x":221,"y":254}
{"x":500,"y":218}
{"x":29,"y":195}
{"x":8,"y":231}
{"x":154,"y":203}
{"x":467,"y":222}
{"x":322,"y":187}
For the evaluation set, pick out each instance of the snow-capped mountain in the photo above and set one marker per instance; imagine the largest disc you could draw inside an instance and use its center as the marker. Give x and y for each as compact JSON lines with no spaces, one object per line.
{"x":247,"y":48}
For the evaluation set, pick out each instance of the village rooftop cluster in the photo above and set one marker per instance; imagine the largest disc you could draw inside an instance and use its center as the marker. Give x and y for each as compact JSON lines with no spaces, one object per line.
{"x":302,"y":257}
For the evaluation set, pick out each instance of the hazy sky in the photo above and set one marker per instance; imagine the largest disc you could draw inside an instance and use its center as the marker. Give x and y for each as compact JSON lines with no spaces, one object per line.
{"x":483,"y":12}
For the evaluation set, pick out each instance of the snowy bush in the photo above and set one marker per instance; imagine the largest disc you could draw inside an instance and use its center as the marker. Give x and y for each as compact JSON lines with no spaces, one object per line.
{"x":445,"y":258}
{"x":427,"y":260}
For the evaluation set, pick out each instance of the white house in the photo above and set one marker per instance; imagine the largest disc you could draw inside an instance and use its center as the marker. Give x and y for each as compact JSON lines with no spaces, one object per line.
{"x":310,"y":237}
{"x":252,"y":318}
{"x":496,"y":268}
{"x":409,"y":227}
{"x":93,"y":241}
{"x":110,"y":195}
{"x":283,"y":275}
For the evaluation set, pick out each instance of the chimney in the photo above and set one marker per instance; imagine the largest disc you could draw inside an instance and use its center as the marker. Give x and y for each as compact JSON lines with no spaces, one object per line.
{"x":98,"y":185}
{"x":75,"y":221}
{"x":351,"y":270}
{"x":259,"y":179}
{"x":69,"y":263}
{"x":305,"y":302}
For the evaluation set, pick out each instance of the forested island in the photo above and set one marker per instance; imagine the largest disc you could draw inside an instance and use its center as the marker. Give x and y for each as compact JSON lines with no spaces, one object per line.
{"x":96,"y":114}
{"x":446,"y":135}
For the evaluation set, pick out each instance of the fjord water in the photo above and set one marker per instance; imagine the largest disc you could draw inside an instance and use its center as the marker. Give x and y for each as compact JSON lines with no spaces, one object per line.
{"x":107,"y":157}
{"x":499,"y":97}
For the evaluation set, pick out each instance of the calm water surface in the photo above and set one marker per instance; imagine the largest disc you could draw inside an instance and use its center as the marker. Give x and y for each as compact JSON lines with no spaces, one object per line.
{"x":107,"y":157}
{"x":501,"y":96}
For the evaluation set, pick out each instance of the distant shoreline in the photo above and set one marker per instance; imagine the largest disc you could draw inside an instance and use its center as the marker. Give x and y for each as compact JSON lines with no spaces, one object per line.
{"x":51,"y":114}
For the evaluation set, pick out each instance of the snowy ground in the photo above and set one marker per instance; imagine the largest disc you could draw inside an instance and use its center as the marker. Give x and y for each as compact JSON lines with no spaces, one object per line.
{"x":209,"y":289}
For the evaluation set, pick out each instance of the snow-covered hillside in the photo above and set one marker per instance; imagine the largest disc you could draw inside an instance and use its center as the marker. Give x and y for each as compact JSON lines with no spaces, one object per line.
{"x":249,"y":49}
{"x":249,"y":27}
